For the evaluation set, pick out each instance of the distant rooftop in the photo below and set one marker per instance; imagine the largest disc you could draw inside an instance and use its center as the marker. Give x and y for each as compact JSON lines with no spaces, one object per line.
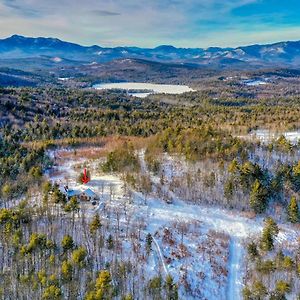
{"x":71,"y":193}
{"x":89,"y":193}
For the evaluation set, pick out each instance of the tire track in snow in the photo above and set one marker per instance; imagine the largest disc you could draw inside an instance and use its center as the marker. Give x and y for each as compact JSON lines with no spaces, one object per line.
{"x":160,"y":255}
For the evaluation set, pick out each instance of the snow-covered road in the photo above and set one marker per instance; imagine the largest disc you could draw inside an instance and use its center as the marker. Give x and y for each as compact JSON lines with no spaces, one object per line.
{"x":235,"y":274}
{"x":239,"y":228}
{"x":221,"y":220}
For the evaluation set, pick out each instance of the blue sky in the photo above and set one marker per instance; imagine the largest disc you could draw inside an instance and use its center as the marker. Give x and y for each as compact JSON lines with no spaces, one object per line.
{"x":146,"y":23}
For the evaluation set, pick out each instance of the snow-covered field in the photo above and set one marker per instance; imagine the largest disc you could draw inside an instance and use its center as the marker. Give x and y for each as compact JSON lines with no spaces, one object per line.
{"x":146,"y":88}
{"x":255,"y":82}
{"x":202,"y":247}
{"x":266,"y":136}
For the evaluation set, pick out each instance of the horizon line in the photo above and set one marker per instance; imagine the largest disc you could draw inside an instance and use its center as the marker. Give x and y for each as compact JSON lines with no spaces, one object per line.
{"x":153,"y":47}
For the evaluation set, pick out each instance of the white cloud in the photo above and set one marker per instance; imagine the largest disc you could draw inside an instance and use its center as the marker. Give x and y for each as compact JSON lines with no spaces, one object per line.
{"x":196,"y":23}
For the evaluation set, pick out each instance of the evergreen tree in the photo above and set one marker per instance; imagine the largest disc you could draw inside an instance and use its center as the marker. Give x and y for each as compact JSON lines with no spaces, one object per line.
{"x":52,"y":292}
{"x":110,"y":242}
{"x":67,"y":243}
{"x":228,"y":189}
{"x":155,"y":286}
{"x":72,"y":205}
{"x":296,"y":177}
{"x":57,"y":196}
{"x":259,"y":290}
{"x":128,"y":297}
{"x":293,"y":210}
{"x":149,"y":243}
{"x":288,"y":263}
{"x":95,"y":224}
{"x":266,"y":242}
{"x":265,"y":267}
{"x":171,"y":288}
{"x":258,"y":197}
{"x":279,"y":259}
{"x":282,"y":287}
{"x":271,"y":224}
{"x":270,"y":231}
{"x":66,"y":270}
{"x":103,"y":286}
{"x":252,"y":250}
{"x":247,"y":295}
{"x":233,"y":166}
{"x":79,"y":256}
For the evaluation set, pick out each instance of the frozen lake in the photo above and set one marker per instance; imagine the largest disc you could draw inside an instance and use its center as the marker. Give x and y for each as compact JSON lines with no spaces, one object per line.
{"x":142,"y":90}
{"x":255,"y":82}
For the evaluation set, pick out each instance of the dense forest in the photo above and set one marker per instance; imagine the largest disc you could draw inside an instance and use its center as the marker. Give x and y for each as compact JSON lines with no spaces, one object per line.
{"x":46,"y":114}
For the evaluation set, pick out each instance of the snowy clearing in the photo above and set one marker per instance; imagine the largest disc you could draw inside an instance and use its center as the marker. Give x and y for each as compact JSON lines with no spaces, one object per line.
{"x":207,"y":259}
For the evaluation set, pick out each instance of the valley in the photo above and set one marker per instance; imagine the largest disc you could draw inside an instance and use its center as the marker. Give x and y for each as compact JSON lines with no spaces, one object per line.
{"x":164,"y":173}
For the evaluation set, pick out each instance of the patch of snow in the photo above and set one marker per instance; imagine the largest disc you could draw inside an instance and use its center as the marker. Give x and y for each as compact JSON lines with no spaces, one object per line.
{"x":57,"y":59}
{"x":272,"y":50}
{"x":255,"y":82}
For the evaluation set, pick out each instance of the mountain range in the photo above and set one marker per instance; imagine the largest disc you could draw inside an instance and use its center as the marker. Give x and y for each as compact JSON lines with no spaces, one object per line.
{"x":57,"y":52}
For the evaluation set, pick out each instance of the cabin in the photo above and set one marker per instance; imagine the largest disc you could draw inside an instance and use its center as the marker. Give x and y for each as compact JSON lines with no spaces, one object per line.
{"x":88,"y":195}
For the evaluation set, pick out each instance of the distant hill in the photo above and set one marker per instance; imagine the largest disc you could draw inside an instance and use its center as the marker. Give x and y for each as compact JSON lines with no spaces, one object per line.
{"x":54,"y":52}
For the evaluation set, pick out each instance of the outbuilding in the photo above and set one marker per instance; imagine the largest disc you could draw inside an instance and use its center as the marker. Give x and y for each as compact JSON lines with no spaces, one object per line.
{"x":72,"y":193}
